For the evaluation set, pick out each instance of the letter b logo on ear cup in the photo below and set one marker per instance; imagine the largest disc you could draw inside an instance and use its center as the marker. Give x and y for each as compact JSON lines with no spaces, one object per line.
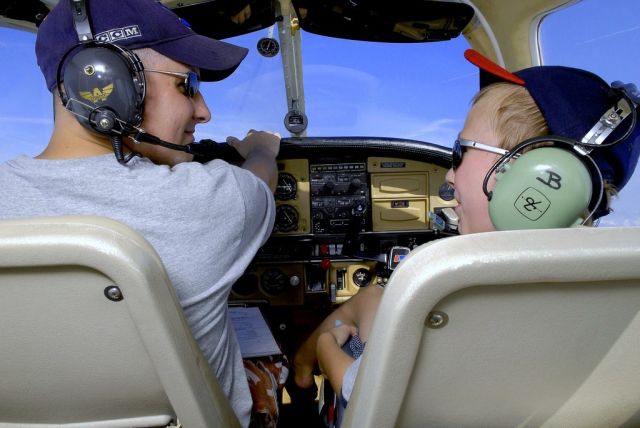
{"x":548,"y":187}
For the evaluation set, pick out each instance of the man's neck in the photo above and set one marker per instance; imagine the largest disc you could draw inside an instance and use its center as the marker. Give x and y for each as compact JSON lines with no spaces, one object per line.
{"x":72,"y":141}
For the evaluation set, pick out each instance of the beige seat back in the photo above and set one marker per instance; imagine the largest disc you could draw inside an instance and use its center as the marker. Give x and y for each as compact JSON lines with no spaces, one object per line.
{"x":507,"y":329}
{"x":72,"y":354}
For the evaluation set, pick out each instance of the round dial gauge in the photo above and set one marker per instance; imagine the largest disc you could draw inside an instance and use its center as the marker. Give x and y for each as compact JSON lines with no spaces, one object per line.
{"x":268,"y":47}
{"x":287,"y":187}
{"x":362,"y":277}
{"x":273,"y":281}
{"x":286,"y":219}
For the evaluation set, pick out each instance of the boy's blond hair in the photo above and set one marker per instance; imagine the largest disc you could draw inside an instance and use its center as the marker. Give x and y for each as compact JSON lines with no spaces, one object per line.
{"x":514,"y":114}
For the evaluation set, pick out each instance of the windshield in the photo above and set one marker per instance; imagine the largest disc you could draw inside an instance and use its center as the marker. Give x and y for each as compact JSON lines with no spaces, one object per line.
{"x":352,"y":88}
{"x":417,"y":91}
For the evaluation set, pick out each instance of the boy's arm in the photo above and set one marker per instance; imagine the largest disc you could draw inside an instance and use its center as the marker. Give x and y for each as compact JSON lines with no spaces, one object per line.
{"x":305,"y":358}
{"x":352,"y":312}
{"x":333,"y":361}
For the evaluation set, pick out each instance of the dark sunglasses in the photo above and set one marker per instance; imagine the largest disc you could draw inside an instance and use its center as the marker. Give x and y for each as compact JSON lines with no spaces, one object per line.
{"x":191,"y":80}
{"x":461,"y":144}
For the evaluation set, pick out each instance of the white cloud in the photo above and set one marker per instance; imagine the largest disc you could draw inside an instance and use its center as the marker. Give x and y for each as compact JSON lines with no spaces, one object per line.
{"x":333,"y":73}
{"x":606,"y":36}
{"x":461,"y":77}
{"x":620,"y":222}
{"x":26,"y":120}
{"x":23,"y":135}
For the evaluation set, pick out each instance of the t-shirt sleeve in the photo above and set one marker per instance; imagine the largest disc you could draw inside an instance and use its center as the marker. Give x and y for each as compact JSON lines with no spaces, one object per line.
{"x":349,"y":379}
{"x":259,"y":205}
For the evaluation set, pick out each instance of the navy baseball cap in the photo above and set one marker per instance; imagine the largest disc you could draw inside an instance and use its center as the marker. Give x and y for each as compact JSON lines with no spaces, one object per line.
{"x":135,"y":24}
{"x":572,"y":101}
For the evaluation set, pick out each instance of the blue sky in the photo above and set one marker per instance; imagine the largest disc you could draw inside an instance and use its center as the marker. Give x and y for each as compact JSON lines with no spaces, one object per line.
{"x":417,"y":91}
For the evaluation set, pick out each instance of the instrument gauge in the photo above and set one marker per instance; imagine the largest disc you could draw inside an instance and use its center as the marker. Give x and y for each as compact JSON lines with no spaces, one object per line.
{"x":362,"y":277}
{"x":274,"y":281}
{"x":286,"y":219}
{"x":268,"y":47}
{"x":287,"y":187}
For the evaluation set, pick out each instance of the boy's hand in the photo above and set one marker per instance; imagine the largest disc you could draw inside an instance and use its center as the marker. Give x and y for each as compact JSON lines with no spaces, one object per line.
{"x":343,"y":333}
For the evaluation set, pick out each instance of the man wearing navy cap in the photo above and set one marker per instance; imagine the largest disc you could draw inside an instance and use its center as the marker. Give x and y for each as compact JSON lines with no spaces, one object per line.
{"x":206,"y":221}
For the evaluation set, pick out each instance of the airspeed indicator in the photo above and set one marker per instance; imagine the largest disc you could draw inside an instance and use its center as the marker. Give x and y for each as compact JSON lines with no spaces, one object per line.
{"x":287,"y":187}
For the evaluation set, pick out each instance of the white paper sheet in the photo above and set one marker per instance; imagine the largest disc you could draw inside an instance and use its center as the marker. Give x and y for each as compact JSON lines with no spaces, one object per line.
{"x":253,"y":333}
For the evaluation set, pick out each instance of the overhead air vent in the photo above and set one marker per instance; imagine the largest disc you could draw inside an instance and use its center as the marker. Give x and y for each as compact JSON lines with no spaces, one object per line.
{"x":400,"y":21}
{"x":31,"y":11}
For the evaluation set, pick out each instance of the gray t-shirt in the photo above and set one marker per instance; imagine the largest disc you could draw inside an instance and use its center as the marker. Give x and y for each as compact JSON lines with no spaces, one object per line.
{"x":205,"y":221}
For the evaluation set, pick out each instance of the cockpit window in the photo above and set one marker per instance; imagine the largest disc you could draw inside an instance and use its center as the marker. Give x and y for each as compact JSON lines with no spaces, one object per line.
{"x":603,"y":39}
{"x":352,"y":88}
{"x":25,"y":104}
{"x":417,"y":91}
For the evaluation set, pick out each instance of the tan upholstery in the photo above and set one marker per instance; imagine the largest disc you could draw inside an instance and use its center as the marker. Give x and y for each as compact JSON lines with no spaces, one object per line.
{"x":69,"y":356}
{"x":543,"y":329}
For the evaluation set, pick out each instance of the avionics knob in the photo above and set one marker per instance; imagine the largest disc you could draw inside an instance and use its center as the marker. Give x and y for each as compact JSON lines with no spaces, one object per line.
{"x":329,"y":185}
{"x":359,"y":209}
{"x":294,"y":280}
{"x":356,"y":183}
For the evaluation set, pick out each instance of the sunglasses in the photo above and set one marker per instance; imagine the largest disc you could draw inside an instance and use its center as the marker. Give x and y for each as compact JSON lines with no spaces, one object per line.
{"x":191,"y":80}
{"x":461,"y":144}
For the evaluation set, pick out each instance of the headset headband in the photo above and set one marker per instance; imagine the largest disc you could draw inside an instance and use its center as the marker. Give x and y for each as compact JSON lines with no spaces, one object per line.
{"x":81,"y":21}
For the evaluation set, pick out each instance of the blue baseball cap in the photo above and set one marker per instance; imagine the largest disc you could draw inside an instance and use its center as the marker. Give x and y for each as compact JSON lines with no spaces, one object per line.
{"x":135,"y":24}
{"x":572,"y":101}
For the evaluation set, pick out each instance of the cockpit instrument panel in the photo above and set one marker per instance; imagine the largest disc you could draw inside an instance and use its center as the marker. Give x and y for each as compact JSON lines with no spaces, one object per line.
{"x":341,"y":209}
{"x":339,"y":197}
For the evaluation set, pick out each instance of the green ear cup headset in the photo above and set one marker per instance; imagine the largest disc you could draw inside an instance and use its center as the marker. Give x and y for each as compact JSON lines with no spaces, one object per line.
{"x":552,"y":186}
{"x":547,"y":187}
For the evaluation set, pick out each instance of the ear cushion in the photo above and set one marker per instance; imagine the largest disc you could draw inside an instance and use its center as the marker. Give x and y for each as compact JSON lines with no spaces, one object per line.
{"x":101,"y":80}
{"x":548,"y":187}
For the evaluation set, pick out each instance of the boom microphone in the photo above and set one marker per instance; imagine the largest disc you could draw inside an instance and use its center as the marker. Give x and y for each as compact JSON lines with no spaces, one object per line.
{"x":202,"y":151}
{"x":143,"y":137}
